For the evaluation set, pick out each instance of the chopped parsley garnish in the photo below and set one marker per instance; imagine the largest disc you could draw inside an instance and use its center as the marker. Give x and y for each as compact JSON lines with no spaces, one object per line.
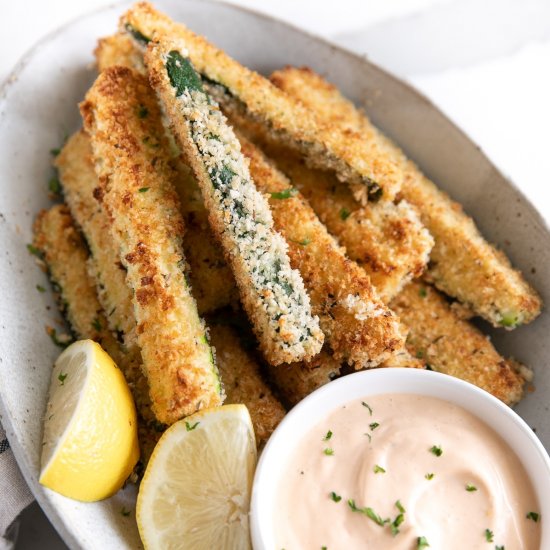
{"x":419,"y":354}
{"x":429,"y":476}
{"x":191,"y":427}
{"x":34,"y":251}
{"x":328,"y":436}
{"x":399,"y":506}
{"x":436,"y":450}
{"x":40,"y":288}
{"x":323,"y":548}
{"x":55,"y":151}
{"x":373,"y":426}
{"x":489,"y":535}
{"x":142,"y":111}
{"x":285,"y":194}
{"x":471,"y":488}
{"x":54,"y":186}
{"x":533,"y":515}
{"x":96,"y":324}
{"x":61,"y":340}
{"x":143,"y":189}
{"x":500,"y":547}
{"x":366,"y":405}
{"x":62,"y":378}
{"x":303,"y":242}
{"x":422,"y":292}
{"x":378,"y":469}
{"x":328,"y":451}
{"x":335,"y":497}
{"x":394,"y":525}
{"x":125,"y":512}
{"x":344,"y":214}
{"x":369,"y":512}
{"x":421,"y":542}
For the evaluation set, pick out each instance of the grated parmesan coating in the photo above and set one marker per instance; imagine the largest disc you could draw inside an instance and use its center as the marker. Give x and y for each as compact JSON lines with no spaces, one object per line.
{"x":272,"y":293}
{"x":364,"y":334}
{"x":356,"y":161}
{"x":136,"y":189}
{"x":462,"y":264}
{"x":449,"y":344}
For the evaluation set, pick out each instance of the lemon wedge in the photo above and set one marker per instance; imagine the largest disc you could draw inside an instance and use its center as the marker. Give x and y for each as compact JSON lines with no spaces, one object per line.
{"x":196,"y":490}
{"x":90,"y":429}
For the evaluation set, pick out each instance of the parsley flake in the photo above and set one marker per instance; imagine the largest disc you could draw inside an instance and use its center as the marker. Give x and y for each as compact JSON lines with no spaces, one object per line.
{"x":61,"y":378}
{"x":96,"y":324}
{"x":533,"y":515}
{"x":34,"y":251}
{"x":378,"y":469}
{"x":344,"y":214}
{"x":328,"y":451}
{"x":328,"y":436}
{"x":500,"y":547}
{"x":303,"y":242}
{"x":373,"y":426}
{"x":429,"y":476}
{"x":40,"y":288}
{"x":335,"y":497}
{"x":422,"y":292}
{"x":436,"y":450}
{"x":285,"y":194}
{"x":489,"y":535}
{"x":143,"y":189}
{"x":191,"y":427}
{"x":142,"y":111}
{"x":366,"y":405}
{"x":471,"y":488}
{"x":369,"y":512}
{"x":54,"y":186}
{"x":399,"y":506}
{"x":421,"y":542}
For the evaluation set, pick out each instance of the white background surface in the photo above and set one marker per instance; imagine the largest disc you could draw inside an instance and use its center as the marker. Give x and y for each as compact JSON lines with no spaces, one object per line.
{"x":485,"y":63}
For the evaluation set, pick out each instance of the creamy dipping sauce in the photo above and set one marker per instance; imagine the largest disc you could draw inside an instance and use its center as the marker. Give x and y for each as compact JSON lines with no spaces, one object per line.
{"x":400,"y":471}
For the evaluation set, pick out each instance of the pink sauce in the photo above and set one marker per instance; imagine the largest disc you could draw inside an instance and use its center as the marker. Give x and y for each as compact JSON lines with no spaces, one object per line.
{"x":475,"y":494}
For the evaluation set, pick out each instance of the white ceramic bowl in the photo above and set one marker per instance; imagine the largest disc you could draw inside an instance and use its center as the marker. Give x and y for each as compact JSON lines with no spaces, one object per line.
{"x":503,"y":420}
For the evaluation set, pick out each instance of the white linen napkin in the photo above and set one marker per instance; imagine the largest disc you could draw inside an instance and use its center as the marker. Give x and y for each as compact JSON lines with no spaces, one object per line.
{"x":14,"y":493}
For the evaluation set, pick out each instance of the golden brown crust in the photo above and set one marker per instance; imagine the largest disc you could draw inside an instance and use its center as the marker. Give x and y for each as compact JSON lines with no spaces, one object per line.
{"x":462,"y":263}
{"x":357,"y":161}
{"x":359,"y":328}
{"x":453,"y":346}
{"x":244,"y":384}
{"x":136,"y":189}
{"x":118,"y":49}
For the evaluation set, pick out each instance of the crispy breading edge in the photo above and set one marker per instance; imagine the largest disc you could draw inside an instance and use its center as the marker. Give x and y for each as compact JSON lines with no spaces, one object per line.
{"x":355,"y":160}
{"x":463,"y":264}
{"x":359,"y":328}
{"x":136,"y":190}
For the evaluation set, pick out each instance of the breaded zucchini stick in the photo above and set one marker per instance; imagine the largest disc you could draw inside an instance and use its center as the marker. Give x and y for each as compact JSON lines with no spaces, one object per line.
{"x":297,"y":380}
{"x":79,"y":181}
{"x":359,"y":328}
{"x":463,"y":264}
{"x":243,"y":382}
{"x":387,"y":240}
{"x":356,"y":161}
{"x":272,"y":293}
{"x":136,"y":189}
{"x":211,"y":279}
{"x":65,"y":254}
{"x":453,"y":346}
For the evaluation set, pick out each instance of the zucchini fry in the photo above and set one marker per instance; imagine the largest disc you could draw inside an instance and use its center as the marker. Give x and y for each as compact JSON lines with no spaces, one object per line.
{"x":370,"y":174}
{"x":453,"y":346}
{"x":463,"y":264}
{"x":65,"y":254}
{"x":136,"y":189}
{"x":79,"y":181}
{"x":359,"y":328}
{"x":212,"y":282}
{"x":297,"y":380}
{"x":243,"y":383}
{"x":272,"y":293}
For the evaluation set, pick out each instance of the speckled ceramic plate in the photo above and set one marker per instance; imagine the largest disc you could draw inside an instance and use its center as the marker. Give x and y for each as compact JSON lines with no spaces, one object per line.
{"x":38,"y":108}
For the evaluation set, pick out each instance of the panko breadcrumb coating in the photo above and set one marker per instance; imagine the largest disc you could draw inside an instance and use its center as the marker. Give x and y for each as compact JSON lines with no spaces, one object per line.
{"x":358,"y":327}
{"x":136,"y":189}
{"x":356,"y":161}
{"x":453,"y":346}
{"x":463,"y":264}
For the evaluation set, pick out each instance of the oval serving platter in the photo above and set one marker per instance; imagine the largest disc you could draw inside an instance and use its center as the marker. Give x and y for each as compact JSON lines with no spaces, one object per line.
{"x":38,"y":108}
